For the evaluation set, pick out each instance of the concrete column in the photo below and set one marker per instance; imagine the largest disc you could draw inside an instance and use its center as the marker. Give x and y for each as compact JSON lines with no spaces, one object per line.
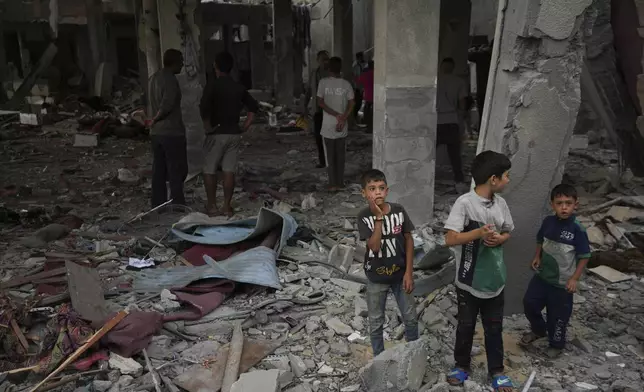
{"x":152,"y":42}
{"x":3,"y":61}
{"x":343,"y":35}
{"x":533,"y":105}
{"x":406,"y":63}
{"x":283,"y":51}
{"x":97,"y":33}
{"x":257,"y":55}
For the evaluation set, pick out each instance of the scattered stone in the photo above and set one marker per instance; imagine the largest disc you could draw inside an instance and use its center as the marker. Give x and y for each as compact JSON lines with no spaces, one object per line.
{"x":290,"y":278}
{"x":584,"y":386}
{"x":604,"y":375}
{"x":357,"y":323}
{"x":125,"y":175}
{"x":325,"y":369}
{"x":354,"y":337}
{"x":578,"y":299}
{"x":101,"y":385}
{"x":625,"y":386}
{"x":595,"y":235}
{"x":341,"y":349}
{"x":351,"y":388}
{"x":582,"y":344}
{"x":298,"y":366}
{"x":311,"y":326}
{"x":126,"y":366}
{"x":397,"y":369}
{"x":339,"y":327}
{"x":259,"y":380}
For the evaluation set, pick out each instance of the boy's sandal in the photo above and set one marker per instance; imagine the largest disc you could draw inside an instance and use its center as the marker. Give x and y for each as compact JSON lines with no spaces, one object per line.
{"x":459,"y":375}
{"x":501,"y":381}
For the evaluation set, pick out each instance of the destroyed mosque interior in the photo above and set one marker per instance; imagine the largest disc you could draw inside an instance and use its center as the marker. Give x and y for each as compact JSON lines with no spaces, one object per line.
{"x":154,"y":244}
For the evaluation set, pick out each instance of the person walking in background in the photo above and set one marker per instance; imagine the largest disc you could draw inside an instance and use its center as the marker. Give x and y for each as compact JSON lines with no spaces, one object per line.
{"x":167,"y":131}
{"x":320,"y":73}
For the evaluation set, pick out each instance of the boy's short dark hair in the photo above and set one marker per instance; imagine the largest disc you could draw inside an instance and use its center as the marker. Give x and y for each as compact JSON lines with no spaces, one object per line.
{"x":488,"y":164}
{"x":372,"y":175}
{"x":563,"y":190}
{"x":224,"y":62}
{"x":321,"y":52}
{"x":172,"y":57}
{"x":449,"y":60}
{"x":335,"y":65}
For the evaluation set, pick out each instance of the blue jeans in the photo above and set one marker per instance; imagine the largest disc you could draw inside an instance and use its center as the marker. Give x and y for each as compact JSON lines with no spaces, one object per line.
{"x":558,"y":304}
{"x":376,"y":303}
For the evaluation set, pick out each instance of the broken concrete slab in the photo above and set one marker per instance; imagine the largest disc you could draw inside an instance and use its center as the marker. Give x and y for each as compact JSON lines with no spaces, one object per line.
{"x":127,"y":366}
{"x":260,"y":380}
{"x":201,"y":350}
{"x":609,"y":274}
{"x":338,"y":326}
{"x":397,"y":369}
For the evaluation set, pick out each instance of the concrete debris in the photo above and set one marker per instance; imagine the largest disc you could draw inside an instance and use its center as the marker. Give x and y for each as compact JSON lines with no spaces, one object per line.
{"x":338,"y":326}
{"x":397,"y":369}
{"x":260,"y":380}
{"x":126,"y":366}
{"x":307,"y":347}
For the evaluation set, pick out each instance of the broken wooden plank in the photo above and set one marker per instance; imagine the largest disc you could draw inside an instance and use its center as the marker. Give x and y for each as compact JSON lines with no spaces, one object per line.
{"x":31,"y":278}
{"x":609,"y":274}
{"x":234,"y":357}
{"x":81,"y":350}
{"x":84,"y":286}
{"x":21,"y":337}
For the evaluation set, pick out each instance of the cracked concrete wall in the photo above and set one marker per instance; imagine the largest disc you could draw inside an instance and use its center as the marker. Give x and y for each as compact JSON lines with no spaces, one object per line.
{"x":406,"y":51}
{"x":533,"y":114}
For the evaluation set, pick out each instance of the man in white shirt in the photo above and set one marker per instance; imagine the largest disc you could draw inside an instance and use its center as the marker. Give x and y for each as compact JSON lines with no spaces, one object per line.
{"x":336,"y":99}
{"x":451,"y":100}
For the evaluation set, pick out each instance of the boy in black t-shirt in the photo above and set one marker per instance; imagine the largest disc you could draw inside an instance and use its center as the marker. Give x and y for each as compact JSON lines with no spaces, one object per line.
{"x":388,"y":260}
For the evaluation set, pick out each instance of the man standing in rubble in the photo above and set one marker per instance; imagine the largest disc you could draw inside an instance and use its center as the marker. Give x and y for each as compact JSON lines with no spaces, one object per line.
{"x":221,"y":105}
{"x":167,"y":131}
{"x":451,"y":100}
{"x":320,"y":73}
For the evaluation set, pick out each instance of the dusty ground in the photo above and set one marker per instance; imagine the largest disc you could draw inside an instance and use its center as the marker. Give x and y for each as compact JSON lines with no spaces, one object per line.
{"x":44,"y":179}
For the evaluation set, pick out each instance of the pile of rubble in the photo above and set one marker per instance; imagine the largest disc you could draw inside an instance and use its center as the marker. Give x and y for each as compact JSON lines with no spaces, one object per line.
{"x":81,"y":258}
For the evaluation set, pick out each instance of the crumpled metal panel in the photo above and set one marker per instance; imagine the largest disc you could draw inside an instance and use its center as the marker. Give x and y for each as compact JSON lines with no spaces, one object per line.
{"x":254,"y":266}
{"x":202,"y":229}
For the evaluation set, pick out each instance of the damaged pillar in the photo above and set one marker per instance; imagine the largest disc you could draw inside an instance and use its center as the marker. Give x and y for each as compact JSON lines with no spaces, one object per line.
{"x":343,"y":35}
{"x":406,"y":63}
{"x":97,"y":34}
{"x":151,"y":36}
{"x":533,"y":103}
{"x":257,"y":55}
{"x":283,"y":51}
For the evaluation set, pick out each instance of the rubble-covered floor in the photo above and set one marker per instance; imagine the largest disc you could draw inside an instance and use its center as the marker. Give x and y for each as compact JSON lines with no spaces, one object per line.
{"x":46,"y":180}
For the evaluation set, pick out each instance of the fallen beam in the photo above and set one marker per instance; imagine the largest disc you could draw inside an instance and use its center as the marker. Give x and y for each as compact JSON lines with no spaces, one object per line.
{"x":45,"y":61}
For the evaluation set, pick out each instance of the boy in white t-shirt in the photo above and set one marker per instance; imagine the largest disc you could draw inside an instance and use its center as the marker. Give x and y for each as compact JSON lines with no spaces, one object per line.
{"x":336,"y":99}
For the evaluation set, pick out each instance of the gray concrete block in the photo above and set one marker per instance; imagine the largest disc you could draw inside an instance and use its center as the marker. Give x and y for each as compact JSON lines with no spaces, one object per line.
{"x":401,"y":368}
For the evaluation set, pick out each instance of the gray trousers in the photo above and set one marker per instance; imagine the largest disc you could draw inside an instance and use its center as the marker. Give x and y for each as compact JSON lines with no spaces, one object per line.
{"x":335,"y":151}
{"x":376,"y":305}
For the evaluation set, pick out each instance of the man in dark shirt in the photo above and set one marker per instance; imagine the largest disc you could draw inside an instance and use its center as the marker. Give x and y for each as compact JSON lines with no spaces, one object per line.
{"x":167,"y":132}
{"x":221,"y":105}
